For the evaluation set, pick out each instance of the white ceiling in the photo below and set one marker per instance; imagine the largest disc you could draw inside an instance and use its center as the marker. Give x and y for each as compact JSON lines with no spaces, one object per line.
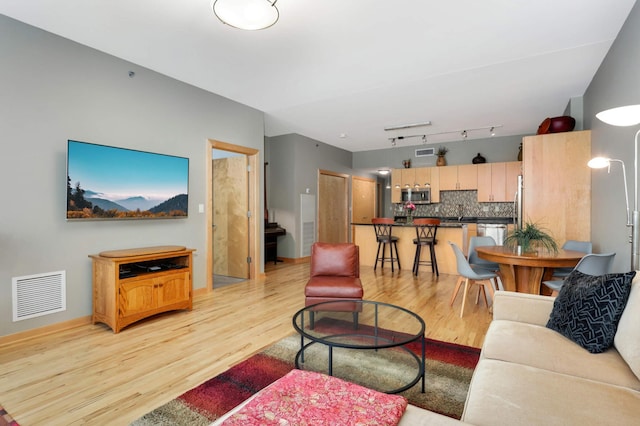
{"x":354,"y":67}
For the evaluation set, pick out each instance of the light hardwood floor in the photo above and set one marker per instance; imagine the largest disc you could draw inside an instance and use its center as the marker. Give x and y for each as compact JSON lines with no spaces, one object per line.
{"x":91,"y":376}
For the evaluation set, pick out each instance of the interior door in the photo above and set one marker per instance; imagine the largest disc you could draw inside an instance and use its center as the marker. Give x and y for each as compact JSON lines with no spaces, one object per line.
{"x":363,"y":199}
{"x":230,"y":216}
{"x":333,"y":209}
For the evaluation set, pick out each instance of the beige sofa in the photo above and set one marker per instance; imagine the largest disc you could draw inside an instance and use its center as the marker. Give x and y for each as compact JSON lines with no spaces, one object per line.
{"x":530,"y":375}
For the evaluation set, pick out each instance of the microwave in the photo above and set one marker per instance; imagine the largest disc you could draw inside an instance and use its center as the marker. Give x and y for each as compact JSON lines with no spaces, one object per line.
{"x":416,"y":196}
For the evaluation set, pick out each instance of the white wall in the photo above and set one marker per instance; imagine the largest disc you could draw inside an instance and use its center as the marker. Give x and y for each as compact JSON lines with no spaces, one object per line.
{"x":52,"y":90}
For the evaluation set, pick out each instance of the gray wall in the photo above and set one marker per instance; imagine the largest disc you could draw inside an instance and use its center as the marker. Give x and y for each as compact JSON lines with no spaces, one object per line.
{"x":615,"y":84}
{"x":54,"y":90}
{"x":494,"y":149}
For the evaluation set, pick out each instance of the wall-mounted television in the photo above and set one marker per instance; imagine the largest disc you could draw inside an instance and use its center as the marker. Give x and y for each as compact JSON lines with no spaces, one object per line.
{"x":110,"y":183}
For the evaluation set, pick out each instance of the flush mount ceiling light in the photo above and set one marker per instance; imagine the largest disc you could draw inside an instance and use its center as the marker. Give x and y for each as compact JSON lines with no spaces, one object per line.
{"x":246,"y":14}
{"x":383,"y":171}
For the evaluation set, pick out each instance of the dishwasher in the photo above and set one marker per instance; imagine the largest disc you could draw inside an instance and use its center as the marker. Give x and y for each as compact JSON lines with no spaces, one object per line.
{"x":498,"y":231}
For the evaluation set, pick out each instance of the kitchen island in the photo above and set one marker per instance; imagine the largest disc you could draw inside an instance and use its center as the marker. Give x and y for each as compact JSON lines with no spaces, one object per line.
{"x":459,"y":233}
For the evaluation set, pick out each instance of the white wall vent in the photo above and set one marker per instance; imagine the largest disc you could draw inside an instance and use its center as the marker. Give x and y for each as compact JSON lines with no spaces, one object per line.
{"x":425,"y":152}
{"x":37,"y":295}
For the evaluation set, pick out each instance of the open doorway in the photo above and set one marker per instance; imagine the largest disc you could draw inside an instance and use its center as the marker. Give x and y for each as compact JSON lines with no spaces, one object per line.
{"x":235,"y":222}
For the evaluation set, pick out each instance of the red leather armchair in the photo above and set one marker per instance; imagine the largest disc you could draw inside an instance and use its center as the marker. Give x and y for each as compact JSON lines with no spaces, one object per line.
{"x":335,"y":273}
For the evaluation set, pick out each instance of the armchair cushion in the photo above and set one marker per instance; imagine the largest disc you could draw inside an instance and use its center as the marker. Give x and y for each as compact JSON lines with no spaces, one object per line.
{"x":588,"y":308}
{"x":338,"y":260}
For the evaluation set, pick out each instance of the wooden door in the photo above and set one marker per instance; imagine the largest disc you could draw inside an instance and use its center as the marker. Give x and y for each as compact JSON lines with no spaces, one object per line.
{"x":333,"y":210}
{"x":230,"y":221}
{"x":363,"y":199}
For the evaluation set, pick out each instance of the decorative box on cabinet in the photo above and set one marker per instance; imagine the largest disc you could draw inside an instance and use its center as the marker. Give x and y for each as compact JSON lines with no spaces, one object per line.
{"x":133,"y":284}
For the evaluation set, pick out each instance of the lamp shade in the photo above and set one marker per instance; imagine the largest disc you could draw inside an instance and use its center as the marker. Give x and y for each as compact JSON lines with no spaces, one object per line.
{"x":622,"y":116}
{"x":247,"y":14}
{"x":598,"y":163}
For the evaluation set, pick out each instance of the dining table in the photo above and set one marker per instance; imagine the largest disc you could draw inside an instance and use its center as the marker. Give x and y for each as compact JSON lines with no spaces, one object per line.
{"x":524,"y":272}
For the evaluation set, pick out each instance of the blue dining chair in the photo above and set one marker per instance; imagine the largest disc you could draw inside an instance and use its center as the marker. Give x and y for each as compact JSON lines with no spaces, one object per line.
{"x":470,"y":276}
{"x":590,"y":264}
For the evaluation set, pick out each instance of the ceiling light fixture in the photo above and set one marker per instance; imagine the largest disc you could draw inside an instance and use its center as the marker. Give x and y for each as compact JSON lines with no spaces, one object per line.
{"x":246,"y":14}
{"x":465,"y":133}
{"x":383,"y":171}
{"x":407,"y":126}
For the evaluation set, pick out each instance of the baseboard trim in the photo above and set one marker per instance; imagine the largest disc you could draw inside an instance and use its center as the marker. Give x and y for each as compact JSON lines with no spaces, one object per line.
{"x":295,"y":260}
{"x":43,"y":331}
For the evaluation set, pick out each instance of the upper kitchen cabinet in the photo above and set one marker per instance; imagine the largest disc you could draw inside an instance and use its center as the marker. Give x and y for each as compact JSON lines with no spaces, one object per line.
{"x":396,"y":180}
{"x":557,"y":184}
{"x":461,"y":177}
{"x":408,"y":176}
{"x":497,"y":182}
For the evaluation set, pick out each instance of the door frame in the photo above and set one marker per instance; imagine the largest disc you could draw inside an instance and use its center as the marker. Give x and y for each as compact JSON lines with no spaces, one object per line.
{"x":253,"y":204}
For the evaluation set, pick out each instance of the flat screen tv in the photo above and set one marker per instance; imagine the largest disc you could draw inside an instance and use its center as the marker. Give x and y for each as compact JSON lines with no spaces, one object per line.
{"x":109,"y":183}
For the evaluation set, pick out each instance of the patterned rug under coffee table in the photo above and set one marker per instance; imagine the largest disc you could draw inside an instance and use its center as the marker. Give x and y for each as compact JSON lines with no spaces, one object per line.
{"x":449,"y":368}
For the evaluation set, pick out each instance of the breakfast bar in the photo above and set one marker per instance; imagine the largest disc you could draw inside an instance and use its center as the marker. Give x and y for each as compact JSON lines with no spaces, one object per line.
{"x":459,"y":233}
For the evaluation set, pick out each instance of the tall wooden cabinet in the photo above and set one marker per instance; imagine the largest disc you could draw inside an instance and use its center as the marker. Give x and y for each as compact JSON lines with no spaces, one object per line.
{"x":132,"y":284}
{"x":557,"y":184}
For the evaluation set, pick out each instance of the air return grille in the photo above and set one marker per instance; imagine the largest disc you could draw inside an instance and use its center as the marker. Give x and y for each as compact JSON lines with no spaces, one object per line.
{"x":425,"y":152}
{"x":37,"y":295}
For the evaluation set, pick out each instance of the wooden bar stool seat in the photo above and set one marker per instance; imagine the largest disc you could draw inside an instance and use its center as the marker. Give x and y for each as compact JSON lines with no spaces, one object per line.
{"x":384,"y":227}
{"x":426,"y":230}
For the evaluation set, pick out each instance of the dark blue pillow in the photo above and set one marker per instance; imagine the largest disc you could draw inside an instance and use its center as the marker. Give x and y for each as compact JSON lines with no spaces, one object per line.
{"x":588,"y":308}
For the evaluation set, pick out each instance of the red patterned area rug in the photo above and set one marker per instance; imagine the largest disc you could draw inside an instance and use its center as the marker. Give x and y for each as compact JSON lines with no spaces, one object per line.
{"x":6,"y":419}
{"x":448,"y":373}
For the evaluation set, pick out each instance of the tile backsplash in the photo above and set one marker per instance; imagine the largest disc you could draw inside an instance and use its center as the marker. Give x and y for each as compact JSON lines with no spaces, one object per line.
{"x":459,"y":203}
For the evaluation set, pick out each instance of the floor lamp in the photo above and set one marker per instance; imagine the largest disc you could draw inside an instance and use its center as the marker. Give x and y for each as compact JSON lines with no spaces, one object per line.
{"x":626,"y":116}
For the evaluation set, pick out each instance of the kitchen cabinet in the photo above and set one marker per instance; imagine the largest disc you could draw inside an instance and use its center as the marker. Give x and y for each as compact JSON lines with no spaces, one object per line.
{"x":497,"y":182}
{"x":461,"y":177}
{"x":396,"y":185}
{"x":408,"y":176}
{"x":434,"y":180}
{"x":133,"y":284}
{"x":557,"y":184}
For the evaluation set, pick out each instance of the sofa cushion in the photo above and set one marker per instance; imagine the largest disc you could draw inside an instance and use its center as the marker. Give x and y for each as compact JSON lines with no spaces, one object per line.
{"x":503,"y":393}
{"x":588,"y":308}
{"x":541,"y":347}
{"x":627,"y":340}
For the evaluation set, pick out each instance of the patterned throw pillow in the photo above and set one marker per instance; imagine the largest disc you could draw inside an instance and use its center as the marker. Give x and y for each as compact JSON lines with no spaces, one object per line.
{"x":588,"y":308}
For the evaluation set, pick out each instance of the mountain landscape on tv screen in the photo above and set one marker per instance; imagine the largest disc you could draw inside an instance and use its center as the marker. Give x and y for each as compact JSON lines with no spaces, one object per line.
{"x":91,"y":204}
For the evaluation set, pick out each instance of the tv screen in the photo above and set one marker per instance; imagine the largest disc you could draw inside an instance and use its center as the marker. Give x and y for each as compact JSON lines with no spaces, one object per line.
{"x":106,"y":182}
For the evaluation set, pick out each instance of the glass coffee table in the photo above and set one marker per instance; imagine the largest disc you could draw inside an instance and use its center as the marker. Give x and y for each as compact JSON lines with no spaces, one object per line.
{"x":374,"y":344}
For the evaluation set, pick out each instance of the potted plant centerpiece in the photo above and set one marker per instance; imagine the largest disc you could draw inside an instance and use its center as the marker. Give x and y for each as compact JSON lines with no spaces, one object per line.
{"x":442,"y":151}
{"x":530,"y":237}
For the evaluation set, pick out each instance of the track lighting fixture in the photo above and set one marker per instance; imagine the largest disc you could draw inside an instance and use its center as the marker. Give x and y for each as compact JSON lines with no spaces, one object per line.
{"x":464,"y":133}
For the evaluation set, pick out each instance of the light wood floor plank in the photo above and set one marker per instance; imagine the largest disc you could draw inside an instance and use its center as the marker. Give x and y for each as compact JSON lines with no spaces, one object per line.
{"x":89,"y":376}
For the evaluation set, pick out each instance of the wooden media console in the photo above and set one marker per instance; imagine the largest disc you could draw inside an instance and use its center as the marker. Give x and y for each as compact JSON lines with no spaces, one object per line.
{"x":133,"y":284}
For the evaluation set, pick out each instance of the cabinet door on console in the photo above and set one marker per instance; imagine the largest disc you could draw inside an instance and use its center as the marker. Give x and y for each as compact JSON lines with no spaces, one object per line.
{"x":136,"y":297}
{"x":172,"y":289}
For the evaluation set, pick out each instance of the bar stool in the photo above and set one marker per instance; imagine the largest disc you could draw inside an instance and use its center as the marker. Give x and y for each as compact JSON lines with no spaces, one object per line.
{"x":426,"y":230}
{"x":383,"y":227}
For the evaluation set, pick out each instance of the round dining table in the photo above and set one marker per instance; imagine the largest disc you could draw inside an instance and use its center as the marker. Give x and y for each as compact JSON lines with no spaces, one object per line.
{"x":524,"y":272}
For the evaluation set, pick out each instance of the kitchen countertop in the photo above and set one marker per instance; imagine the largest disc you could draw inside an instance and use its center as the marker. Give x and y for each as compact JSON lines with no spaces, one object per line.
{"x":453,"y":222}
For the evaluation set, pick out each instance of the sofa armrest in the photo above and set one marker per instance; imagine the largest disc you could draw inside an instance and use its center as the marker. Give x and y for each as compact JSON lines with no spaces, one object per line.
{"x":522,"y":307}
